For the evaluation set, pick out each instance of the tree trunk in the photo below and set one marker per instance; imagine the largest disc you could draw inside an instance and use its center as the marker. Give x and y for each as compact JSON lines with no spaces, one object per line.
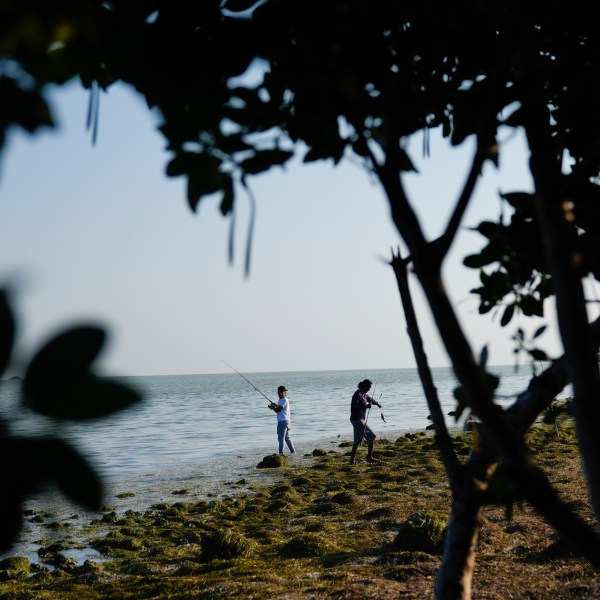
{"x":560,"y":241}
{"x":503,"y":435}
{"x":455,"y":575}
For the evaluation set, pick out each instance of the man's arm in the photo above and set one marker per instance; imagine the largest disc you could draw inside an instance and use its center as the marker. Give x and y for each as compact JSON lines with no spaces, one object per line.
{"x":373,"y":401}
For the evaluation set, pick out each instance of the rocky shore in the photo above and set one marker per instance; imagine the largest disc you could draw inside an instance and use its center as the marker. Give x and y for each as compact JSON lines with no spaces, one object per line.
{"x":318,"y":528}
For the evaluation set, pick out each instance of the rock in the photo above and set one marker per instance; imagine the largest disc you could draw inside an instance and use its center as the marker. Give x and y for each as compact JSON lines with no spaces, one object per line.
{"x":273,"y":461}
{"x":421,"y":533}
{"x":307,"y":545}
{"x":14,"y":567}
{"x":345,"y":498}
{"x":225,"y":544}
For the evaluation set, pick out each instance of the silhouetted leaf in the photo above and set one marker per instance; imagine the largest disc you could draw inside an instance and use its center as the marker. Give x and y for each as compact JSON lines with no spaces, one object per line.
{"x":59,"y":382}
{"x":519,"y":200}
{"x":507,"y":315}
{"x":538,"y":354}
{"x":405,"y":163}
{"x":26,"y":108}
{"x":35,"y":463}
{"x":539,"y":332}
{"x":264,"y":160}
{"x":475,"y":261}
{"x":200,"y":185}
{"x":64,"y":466}
{"x":228,"y":199}
{"x":493,"y":381}
{"x":483,"y":357}
{"x":61,"y":364}
{"x":11,"y":517}
{"x":461,"y":403}
{"x":7,"y":331}
{"x":87,"y":398}
{"x":181,"y":164}
{"x":531,"y":306}
{"x":314,"y":154}
{"x":72,"y":351}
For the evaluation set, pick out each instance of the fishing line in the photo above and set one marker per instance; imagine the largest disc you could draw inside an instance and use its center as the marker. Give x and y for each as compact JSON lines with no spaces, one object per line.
{"x":381,"y":394}
{"x":270,"y":402}
{"x":380,"y":412}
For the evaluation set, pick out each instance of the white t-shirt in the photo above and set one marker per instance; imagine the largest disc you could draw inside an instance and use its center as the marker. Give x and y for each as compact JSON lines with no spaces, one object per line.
{"x":284,"y":415}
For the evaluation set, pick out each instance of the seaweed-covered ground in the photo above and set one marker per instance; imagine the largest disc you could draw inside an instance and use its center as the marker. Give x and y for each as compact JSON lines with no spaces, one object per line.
{"x":325,"y":529}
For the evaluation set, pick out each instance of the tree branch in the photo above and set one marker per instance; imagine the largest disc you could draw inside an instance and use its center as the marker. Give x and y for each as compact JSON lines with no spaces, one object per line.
{"x":442,"y":436}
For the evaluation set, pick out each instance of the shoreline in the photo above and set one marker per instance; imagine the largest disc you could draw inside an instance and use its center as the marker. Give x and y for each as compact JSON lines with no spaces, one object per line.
{"x":336,"y":530}
{"x":214,"y":478}
{"x":51,"y":515}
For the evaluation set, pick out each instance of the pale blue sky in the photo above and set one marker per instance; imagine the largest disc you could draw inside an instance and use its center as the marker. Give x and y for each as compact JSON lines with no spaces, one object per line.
{"x":100,"y":233}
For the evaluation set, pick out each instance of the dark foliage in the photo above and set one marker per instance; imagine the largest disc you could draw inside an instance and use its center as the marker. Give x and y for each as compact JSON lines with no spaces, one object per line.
{"x":59,"y":383}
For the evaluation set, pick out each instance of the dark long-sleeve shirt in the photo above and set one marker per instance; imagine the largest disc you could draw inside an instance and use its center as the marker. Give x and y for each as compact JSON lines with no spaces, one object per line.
{"x":359,"y":405}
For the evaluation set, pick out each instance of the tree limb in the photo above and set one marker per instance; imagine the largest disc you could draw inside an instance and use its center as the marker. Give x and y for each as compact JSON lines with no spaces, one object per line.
{"x":560,"y":241}
{"x":442,"y":436}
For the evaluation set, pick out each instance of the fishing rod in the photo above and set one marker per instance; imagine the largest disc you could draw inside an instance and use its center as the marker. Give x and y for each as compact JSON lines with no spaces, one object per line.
{"x":270,"y":402}
{"x":365,"y":427}
{"x":367,"y":417}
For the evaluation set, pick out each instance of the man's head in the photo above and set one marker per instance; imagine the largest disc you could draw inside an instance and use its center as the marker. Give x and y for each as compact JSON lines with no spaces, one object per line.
{"x":281,"y":390}
{"x":365,"y":385}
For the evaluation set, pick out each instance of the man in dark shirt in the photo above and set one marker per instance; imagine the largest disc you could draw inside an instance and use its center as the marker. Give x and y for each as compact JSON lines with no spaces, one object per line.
{"x":361,"y":401}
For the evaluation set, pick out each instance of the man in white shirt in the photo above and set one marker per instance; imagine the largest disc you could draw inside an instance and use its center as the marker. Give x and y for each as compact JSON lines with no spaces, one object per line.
{"x":282,"y":408}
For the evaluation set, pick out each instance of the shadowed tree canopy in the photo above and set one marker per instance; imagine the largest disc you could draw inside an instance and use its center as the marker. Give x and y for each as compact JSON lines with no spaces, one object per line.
{"x":242,"y":87}
{"x":328,"y":80}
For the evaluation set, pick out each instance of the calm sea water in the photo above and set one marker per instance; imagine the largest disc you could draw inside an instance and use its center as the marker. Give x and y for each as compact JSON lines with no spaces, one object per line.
{"x":199,"y":436}
{"x":192,"y":419}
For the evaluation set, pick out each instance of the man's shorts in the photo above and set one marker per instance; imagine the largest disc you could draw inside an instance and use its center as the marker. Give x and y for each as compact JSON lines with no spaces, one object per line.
{"x":362,"y":429}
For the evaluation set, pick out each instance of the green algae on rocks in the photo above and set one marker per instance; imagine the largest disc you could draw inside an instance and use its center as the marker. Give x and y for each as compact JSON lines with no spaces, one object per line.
{"x":273,"y":461}
{"x":14,"y":567}
{"x":334,"y":531}
{"x":422,"y":533}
